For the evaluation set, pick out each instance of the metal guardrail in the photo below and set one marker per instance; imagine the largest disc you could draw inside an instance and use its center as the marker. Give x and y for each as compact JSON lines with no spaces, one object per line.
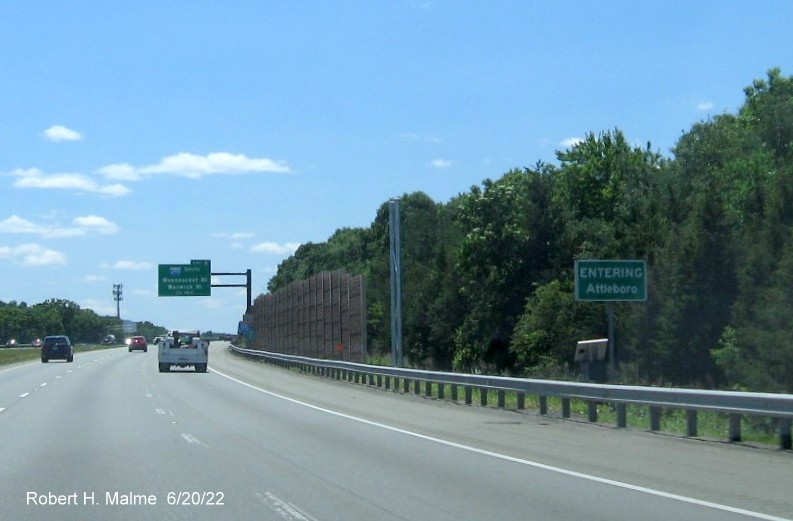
{"x":734,"y":404}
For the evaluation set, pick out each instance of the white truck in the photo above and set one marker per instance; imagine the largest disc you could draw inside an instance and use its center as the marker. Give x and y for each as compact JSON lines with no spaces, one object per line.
{"x":183,"y":348}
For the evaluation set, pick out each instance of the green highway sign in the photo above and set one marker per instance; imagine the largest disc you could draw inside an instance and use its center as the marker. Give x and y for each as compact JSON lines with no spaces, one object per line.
{"x":611,"y":280}
{"x":185,"y":280}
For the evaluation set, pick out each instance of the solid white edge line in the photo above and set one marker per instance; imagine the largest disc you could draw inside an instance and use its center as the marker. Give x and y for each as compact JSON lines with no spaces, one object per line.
{"x":558,"y":470}
{"x":2,"y":409}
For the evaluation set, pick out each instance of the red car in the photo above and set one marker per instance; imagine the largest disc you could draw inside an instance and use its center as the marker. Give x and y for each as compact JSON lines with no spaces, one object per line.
{"x":138,"y":342}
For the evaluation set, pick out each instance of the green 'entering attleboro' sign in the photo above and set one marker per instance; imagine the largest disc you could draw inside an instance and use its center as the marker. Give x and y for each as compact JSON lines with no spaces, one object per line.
{"x":611,"y":280}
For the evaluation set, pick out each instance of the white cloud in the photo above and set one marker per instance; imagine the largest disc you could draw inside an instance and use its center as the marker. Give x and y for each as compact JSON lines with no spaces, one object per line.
{"x":35,"y":178}
{"x":236,"y":239}
{"x":96,"y":223}
{"x":194,"y":166}
{"x":59,"y":133}
{"x":120,"y":172}
{"x":132,"y":265}
{"x":571,"y":142}
{"x":101,"y":308}
{"x":81,"y":226}
{"x":275,"y":248}
{"x":412,"y":136}
{"x":235,"y":236}
{"x":32,"y":255}
{"x":440,"y":163}
{"x":705,"y":106}
{"x":94,"y":279}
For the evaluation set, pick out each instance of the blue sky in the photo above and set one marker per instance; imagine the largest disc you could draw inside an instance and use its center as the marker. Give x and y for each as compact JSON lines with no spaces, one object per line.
{"x":141,"y":133}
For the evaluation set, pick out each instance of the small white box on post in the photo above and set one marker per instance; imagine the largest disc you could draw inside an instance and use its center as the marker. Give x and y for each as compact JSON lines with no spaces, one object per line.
{"x":589,"y":351}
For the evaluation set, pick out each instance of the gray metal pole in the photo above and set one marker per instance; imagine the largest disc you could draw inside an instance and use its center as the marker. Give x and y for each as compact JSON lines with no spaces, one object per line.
{"x":396,"y":283}
{"x":612,"y":348}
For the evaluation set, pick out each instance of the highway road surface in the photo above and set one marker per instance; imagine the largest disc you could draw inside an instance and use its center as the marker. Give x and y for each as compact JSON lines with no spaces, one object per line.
{"x":109,"y":437}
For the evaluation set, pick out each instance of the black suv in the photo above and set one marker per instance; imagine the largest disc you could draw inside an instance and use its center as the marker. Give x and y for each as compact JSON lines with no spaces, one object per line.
{"x":57,"y":347}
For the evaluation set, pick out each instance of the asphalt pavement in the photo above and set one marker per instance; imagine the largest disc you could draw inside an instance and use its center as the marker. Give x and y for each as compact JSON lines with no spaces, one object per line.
{"x":109,"y":437}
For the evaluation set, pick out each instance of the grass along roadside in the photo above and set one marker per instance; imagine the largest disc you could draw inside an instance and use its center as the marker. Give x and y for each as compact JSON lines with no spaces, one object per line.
{"x":710,"y":426}
{"x":24,"y":354}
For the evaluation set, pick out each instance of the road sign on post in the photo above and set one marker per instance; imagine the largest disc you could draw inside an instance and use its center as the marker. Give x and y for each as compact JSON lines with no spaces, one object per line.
{"x":185,"y":280}
{"x":611,"y":280}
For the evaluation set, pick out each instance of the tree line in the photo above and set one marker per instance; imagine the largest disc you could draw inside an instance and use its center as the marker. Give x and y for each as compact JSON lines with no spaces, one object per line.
{"x":488,"y":276}
{"x":62,"y":317}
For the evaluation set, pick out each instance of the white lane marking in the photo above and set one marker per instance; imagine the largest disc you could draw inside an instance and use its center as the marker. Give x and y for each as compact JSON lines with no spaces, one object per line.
{"x":543,"y":466}
{"x":2,"y":409}
{"x":23,"y":395}
{"x":57,"y":377}
{"x":285,"y":509}
{"x":69,"y":371}
{"x":189,"y":438}
{"x":43,"y":385}
{"x":160,"y":411}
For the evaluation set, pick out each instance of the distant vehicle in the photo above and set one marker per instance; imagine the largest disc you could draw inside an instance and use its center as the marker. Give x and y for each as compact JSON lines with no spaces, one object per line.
{"x":36,"y":343}
{"x":57,"y":346}
{"x":183,"y":348}
{"x":109,"y":340}
{"x":11,"y":342}
{"x":138,"y":343}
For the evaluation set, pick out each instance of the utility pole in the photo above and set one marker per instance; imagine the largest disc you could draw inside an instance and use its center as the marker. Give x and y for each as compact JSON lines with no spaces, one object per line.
{"x":396,"y":283}
{"x":118,"y":297}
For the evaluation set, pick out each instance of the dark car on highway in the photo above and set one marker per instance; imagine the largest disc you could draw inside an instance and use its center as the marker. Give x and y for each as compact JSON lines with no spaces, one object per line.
{"x":57,"y":347}
{"x":138,"y":342}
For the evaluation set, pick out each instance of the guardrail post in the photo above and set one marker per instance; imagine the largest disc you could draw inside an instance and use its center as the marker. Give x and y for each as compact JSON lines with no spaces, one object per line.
{"x":379,"y":381}
{"x":428,"y":388}
{"x":565,"y":407}
{"x":469,"y":395}
{"x":521,"y":401}
{"x":483,"y":396}
{"x":622,"y":416}
{"x":785,"y":442}
{"x":441,"y":390}
{"x":735,"y":427}
{"x":691,"y":422}
{"x":416,"y":387}
{"x":387,"y":383}
{"x":454,"y":392}
{"x":405,"y":385}
{"x":502,"y":399}
{"x":592,"y":407}
{"x":655,"y":418}
{"x":543,"y":405}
